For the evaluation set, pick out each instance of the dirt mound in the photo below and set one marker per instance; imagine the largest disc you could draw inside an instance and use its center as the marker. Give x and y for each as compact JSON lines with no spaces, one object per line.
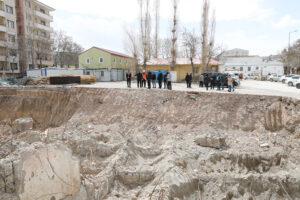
{"x":140,"y":144}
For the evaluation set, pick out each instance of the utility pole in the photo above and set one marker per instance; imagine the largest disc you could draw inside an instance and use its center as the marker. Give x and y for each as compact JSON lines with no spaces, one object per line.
{"x":288,"y":60}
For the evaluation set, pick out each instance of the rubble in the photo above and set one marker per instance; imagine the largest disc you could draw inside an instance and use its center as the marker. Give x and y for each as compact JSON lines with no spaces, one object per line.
{"x":92,"y":144}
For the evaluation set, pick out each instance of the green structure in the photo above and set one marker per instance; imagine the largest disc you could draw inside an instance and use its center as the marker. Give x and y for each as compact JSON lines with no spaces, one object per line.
{"x":98,"y":58}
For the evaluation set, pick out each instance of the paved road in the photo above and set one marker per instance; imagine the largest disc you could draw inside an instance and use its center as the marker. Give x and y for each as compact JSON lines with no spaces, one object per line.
{"x":246,"y":87}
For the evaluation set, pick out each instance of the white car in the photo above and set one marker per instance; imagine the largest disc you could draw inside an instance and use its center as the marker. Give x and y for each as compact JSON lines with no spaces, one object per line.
{"x":293,"y":81}
{"x":274,"y":77}
{"x":285,"y":77}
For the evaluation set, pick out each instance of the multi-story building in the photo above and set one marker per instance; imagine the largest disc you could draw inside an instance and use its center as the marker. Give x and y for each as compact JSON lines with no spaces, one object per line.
{"x":34,"y":33}
{"x":9,"y":59}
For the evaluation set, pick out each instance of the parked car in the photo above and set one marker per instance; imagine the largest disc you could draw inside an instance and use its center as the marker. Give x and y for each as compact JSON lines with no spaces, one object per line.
{"x":284,"y":78}
{"x":294,"y":80}
{"x":298,"y":85}
{"x":236,"y":81}
{"x":289,"y":80}
{"x":274,"y":77}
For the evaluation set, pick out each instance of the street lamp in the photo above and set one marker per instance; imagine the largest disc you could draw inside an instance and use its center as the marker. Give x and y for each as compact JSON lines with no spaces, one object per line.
{"x":290,"y":37}
{"x":288,"y":61}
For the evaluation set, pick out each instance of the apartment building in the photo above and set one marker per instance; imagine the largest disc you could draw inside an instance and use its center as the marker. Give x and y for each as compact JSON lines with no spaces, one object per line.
{"x":9,"y":59}
{"x":34,"y":32}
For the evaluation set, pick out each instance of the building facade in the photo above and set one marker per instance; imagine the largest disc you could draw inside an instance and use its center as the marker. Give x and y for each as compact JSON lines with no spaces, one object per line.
{"x":251,"y":66}
{"x":183,"y":66}
{"x":34,"y":33}
{"x":107,"y":65}
{"x":9,"y":59}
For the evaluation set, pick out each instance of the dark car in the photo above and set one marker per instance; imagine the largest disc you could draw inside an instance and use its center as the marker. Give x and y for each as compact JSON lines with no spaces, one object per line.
{"x":211,"y":74}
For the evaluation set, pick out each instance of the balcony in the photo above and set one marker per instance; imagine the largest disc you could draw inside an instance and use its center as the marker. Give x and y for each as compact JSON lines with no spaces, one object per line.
{"x":44,"y":28}
{"x":2,"y":58}
{"x":44,"y":16}
{"x":2,"y":13}
{"x":3,"y":43}
{"x":2,"y":28}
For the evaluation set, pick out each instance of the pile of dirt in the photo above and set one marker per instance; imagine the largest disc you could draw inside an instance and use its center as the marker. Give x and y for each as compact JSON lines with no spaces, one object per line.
{"x":140,"y":144}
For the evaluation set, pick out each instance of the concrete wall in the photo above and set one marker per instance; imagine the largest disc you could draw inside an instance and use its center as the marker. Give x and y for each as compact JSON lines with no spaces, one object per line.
{"x":54,"y":72}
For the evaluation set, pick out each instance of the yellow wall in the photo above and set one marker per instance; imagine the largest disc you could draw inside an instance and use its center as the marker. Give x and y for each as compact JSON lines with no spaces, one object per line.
{"x":180,"y":69}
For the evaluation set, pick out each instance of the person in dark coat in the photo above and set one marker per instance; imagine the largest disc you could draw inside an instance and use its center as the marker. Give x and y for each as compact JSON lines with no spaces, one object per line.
{"x":212,"y":82}
{"x":206,"y":81}
{"x":190,"y":80}
{"x":139,"y":79}
{"x":187,"y":80}
{"x":223,"y":80}
{"x":218,"y":79}
{"x":149,"y":77}
{"x":160,"y":79}
{"x":128,"y":78}
{"x":166,"y":80}
{"x":153,"y":78}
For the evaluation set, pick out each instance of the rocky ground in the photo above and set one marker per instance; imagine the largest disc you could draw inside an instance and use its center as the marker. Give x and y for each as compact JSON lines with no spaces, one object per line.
{"x":91,"y":144}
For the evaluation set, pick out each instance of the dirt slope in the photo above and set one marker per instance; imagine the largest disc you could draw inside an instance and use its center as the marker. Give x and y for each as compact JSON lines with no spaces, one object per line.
{"x":140,"y":144}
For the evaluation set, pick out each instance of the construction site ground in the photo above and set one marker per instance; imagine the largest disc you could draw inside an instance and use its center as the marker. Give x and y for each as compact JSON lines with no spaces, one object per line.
{"x":246,"y":87}
{"x":102,"y":141}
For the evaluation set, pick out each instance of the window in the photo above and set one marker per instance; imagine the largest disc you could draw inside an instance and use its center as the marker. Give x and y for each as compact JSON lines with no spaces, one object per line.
{"x":43,"y":22}
{"x":13,"y":52}
{"x":11,"y":38}
{"x":13,"y":66}
{"x":27,"y":3}
{"x":88,"y":73}
{"x":102,"y":73}
{"x":9,"y":9}
{"x":241,"y":69}
{"x":101,"y":60}
{"x":114,"y":60}
{"x":10,"y":24}
{"x":126,"y":62}
{"x":120,"y":61}
{"x":249,"y":69}
{"x":257,"y":68}
{"x":42,"y":11}
{"x":195,"y":70}
{"x":234,"y":68}
{"x":43,"y":34}
{"x":87,"y":61}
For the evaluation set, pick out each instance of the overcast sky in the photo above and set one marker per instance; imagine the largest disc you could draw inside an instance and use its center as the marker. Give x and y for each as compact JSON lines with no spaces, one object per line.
{"x":261,"y":26}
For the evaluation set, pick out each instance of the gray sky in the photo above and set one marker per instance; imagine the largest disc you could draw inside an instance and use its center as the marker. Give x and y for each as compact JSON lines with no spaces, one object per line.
{"x":261,"y":26}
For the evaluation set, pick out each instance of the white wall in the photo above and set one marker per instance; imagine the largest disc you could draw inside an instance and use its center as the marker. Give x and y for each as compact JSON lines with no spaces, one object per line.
{"x":54,"y":72}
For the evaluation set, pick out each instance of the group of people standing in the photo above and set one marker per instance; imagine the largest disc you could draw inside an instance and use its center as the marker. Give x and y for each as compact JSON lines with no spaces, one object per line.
{"x":151,"y":78}
{"x":218,"y":80}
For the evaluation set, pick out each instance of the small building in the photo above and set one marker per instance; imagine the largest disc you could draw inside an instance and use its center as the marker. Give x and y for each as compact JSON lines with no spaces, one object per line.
{"x":251,"y":66}
{"x":105,"y":64}
{"x":183,"y":66}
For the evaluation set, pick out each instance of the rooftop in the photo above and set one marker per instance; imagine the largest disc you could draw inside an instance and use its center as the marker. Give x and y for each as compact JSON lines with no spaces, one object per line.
{"x":109,"y":51}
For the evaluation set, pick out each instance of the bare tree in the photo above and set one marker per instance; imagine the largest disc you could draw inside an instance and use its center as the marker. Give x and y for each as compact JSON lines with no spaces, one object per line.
{"x":190,"y":43}
{"x":174,"y":35}
{"x":165,"y":48}
{"x":291,"y":58}
{"x":156,"y":36}
{"x":66,"y":51}
{"x":145,"y":30}
{"x":208,"y":27}
{"x":131,"y":46}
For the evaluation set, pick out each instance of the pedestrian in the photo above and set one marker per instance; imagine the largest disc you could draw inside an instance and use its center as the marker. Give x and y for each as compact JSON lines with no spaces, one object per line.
{"x":223,"y":80}
{"x":190,"y":80}
{"x":201,"y":81}
{"x":144,"y":77}
{"x":212,"y":81}
{"x":153,"y":78}
{"x":206,"y":81}
{"x":229,"y":83}
{"x":165,"y":80}
{"x":139,"y":79}
{"x":160,"y":79}
{"x":187,"y":80}
{"x":149,"y":77}
{"x":128,"y":78}
{"x":169,"y":79}
{"x":218,"y":78}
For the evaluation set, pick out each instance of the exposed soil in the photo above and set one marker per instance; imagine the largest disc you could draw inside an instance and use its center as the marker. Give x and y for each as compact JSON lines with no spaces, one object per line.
{"x":140,"y":144}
